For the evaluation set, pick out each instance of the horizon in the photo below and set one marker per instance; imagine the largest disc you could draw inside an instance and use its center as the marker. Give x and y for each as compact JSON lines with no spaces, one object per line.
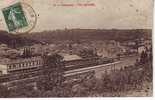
{"x":65,"y":29}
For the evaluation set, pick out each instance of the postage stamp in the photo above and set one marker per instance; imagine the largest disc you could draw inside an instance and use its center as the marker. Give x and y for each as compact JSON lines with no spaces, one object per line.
{"x":14,"y":17}
{"x":19,"y":17}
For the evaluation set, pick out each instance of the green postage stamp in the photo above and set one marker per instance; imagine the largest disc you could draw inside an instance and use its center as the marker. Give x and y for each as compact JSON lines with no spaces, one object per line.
{"x":14,"y":17}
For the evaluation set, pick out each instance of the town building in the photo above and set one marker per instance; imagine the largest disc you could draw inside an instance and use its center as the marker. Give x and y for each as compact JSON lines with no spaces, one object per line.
{"x":20,"y":64}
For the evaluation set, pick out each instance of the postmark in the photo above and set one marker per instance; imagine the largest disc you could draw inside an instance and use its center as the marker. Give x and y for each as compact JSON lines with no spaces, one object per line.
{"x":20,"y":18}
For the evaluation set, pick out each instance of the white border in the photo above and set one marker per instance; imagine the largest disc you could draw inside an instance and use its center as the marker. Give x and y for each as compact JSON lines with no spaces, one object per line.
{"x":108,"y":98}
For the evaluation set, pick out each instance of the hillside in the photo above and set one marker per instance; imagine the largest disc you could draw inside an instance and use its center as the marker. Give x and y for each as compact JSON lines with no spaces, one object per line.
{"x":74,"y":35}
{"x":13,"y":40}
{"x":89,"y":34}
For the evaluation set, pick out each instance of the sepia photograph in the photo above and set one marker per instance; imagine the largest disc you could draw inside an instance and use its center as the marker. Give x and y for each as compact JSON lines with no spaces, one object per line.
{"x":76,"y":48}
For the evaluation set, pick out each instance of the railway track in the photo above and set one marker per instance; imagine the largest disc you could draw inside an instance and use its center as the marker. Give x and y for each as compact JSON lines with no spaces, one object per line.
{"x":37,"y":72}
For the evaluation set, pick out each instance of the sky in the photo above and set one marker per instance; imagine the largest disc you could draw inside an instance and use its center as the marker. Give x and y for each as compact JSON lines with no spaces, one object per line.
{"x":104,"y":14}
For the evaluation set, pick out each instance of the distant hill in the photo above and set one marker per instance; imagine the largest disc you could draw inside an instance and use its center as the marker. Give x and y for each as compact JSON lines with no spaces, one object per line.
{"x":13,"y":40}
{"x":89,"y":34}
{"x":72,"y":35}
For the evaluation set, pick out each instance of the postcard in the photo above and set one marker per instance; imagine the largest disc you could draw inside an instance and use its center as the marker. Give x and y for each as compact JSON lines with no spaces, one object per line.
{"x":76,"y":48}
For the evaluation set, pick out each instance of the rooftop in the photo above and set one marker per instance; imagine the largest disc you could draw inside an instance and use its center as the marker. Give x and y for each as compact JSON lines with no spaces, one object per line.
{"x":5,"y":61}
{"x":68,"y":57}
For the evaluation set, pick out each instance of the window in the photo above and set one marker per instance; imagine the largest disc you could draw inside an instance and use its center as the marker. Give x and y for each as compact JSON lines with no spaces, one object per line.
{"x":26,"y":64}
{"x":9,"y":66}
{"x":17,"y":65}
{"x":14,"y":66}
{"x":33,"y":63}
{"x":22,"y":64}
{"x":29,"y":63}
{"x":0,"y":72}
{"x":38,"y":62}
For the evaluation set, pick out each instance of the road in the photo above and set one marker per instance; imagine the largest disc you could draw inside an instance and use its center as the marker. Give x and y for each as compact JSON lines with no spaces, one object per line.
{"x":126,"y":61}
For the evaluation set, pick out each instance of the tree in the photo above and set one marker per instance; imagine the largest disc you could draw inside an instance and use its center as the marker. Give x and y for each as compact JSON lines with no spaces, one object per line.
{"x":143,"y":57}
{"x":52,"y":72}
